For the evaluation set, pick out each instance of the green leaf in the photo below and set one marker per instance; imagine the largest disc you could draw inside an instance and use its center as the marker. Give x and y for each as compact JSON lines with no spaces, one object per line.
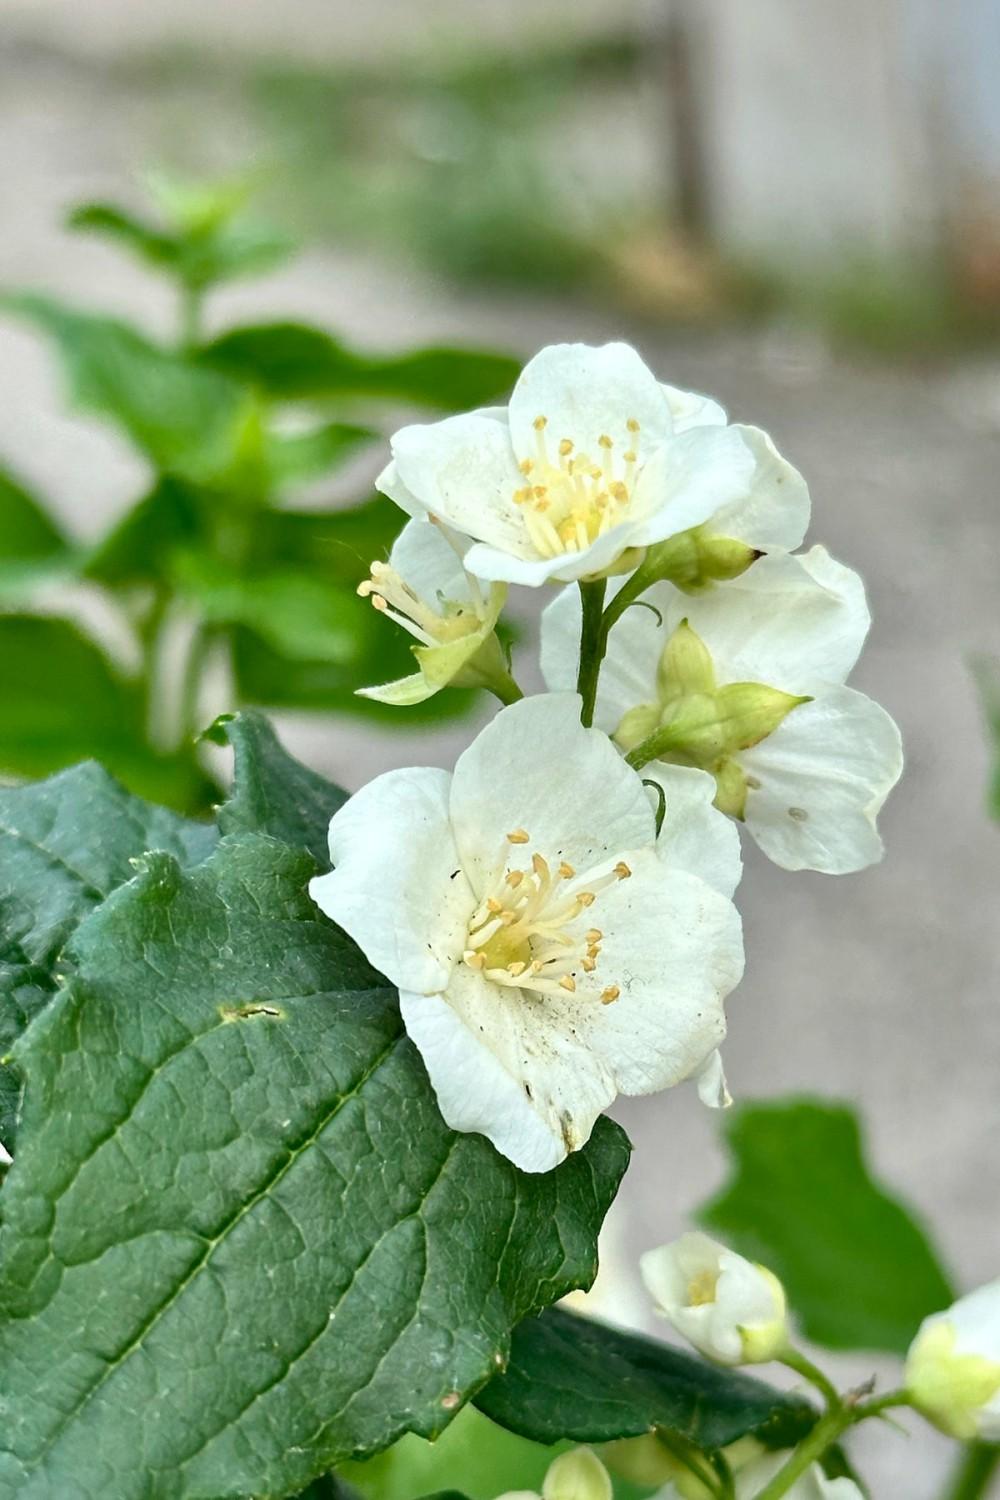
{"x":66,"y":844}
{"x":291,"y":361}
{"x":31,"y":545}
{"x":472,"y":1454}
{"x":239,"y":1243}
{"x":569,"y":1377}
{"x":272,"y":792}
{"x":859,"y":1270}
{"x":139,"y":548}
{"x":198,"y":253}
{"x":294,"y":458}
{"x":986,"y":673}
{"x":88,"y":711}
{"x":186,"y":419}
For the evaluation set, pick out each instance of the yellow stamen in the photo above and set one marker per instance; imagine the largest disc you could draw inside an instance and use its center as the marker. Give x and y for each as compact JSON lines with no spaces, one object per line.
{"x":622,"y":870}
{"x":519,"y":836}
{"x":567,"y":982}
{"x":610,"y":995}
{"x":566,"y":871}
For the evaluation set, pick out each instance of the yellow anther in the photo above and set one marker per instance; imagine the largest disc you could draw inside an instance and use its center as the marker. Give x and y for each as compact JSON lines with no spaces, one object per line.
{"x":493,"y":905}
{"x":567,"y":982}
{"x":631,"y":457}
{"x":622,"y":870}
{"x":526,"y":465}
{"x":536,"y":966}
{"x":539,"y":423}
{"x":605,"y":441}
{"x":520,"y":496}
{"x":566,"y":871}
{"x":514,"y":877}
{"x":539,"y":865}
{"x":519,"y":836}
{"x":632,"y":425}
{"x":589,"y":964}
{"x":507,"y":918}
{"x":585,"y":898}
{"x":540,"y":491}
{"x":541,"y":504}
{"x":618,"y":491}
{"x":594,"y":935}
{"x":593,"y":951}
{"x":565,"y":447}
{"x":516,"y":968}
{"x":378,"y":602}
{"x":610,"y":995}
{"x":475,"y":960}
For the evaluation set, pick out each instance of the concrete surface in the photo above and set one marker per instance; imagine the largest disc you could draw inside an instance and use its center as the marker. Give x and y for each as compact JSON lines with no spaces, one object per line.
{"x":880,"y":988}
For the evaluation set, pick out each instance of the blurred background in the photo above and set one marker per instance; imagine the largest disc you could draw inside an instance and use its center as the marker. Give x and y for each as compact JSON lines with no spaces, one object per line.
{"x":790,"y":205}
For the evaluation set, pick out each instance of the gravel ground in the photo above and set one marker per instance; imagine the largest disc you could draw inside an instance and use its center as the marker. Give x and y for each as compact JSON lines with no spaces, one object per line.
{"x":880,"y":988}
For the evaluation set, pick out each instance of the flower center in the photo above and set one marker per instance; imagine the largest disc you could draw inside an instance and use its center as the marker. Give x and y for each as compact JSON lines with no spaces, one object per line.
{"x":701,"y":1288}
{"x":392,"y":595}
{"x":524,"y":932}
{"x":572,"y":499}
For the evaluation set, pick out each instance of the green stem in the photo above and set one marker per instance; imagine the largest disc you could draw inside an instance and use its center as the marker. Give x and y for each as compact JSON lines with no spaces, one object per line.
{"x":506,"y":689}
{"x":826,"y":1432}
{"x":692,"y":1459}
{"x":975,"y":1469}
{"x":794,"y":1360}
{"x":593,"y":644}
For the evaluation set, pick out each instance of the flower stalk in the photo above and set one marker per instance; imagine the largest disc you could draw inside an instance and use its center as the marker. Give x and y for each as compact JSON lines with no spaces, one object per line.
{"x":593,"y":643}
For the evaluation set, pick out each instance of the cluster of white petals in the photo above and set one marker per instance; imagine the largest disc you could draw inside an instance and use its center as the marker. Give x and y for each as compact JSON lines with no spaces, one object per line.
{"x":551,"y":951}
{"x":557,"y":913}
{"x":731,"y":1310}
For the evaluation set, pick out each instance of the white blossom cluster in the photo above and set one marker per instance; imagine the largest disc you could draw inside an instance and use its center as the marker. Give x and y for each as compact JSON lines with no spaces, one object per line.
{"x":557,"y":912}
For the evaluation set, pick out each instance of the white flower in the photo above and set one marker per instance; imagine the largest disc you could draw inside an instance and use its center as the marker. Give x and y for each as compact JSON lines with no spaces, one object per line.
{"x":548,"y":956}
{"x":731,"y":1310}
{"x":576,"y":1475}
{"x":424,"y":588}
{"x":807,"y":778}
{"x":592,"y":460}
{"x":812,"y":1485}
{"x":953,"y":1366}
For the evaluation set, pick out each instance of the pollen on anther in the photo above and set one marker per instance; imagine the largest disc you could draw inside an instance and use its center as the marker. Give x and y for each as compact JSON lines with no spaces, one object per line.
{"x":539,"y":865}
{"x":539,"y":423}
{"x":473,"y":959}
{"x":589,"y":964}
{"x":622,"y":870}
{"x":593,"y":935}
{"x":493,"y":905}
{"x":585,"y":898}
{"x":519,"y":836}
{"x":526,"y":465}
{"x":514,"y":877}
{"x":605,"y":441}
{"x":610,"y":995}
{"x":516,"y":968}
{"x":567,"y":982}
{"x":632,"y":425}
{"x":566,"y":871}
{"x":565,"y":447}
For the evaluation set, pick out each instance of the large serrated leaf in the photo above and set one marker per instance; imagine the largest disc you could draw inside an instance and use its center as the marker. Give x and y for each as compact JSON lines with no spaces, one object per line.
{"x":859,"y":1270}
{"x":569,"y":1377}
{"x":239,"y":1243}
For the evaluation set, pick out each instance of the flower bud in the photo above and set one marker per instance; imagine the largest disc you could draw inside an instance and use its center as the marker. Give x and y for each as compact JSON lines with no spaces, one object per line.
{"x":694,"y":560}
{"x":953,"y":1366}
{"x":731,"y":1310}
{"x":578,"y":1475}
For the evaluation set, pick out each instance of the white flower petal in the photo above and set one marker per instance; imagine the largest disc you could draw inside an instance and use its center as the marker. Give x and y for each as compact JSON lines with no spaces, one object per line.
{"x":585,"y":393}
{"x":817,"y":783}
{"x":394,"y":887}
{"x":504,"y":1063}
{"x":674,"y":947}
{"x":628,"y":675}
{"x":509,"y":779}
{"x":689,"y":480}
{"x":390,"y":484}
{"x":710,"y":1079}
{"x":695,"y":836}
{"x":774,"y":514}
{"x":691,"y":409}
{"x":402,"y":693}
{"x":812,"y":1485}
{"x":426,"y":560}
{"x":463,"y":470}
{"x":790,"y":622}
{"x":489,"y":563}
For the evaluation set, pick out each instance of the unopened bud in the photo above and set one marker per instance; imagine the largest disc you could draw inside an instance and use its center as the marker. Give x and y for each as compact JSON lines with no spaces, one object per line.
{"x":953,"y":1366}
{"x":578,"y":1475}
{"x":685,"y":666}
{"x":730,"y":1309}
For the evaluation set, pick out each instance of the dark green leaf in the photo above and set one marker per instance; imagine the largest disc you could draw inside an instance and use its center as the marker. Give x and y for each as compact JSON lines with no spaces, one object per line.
{"x":859,"y":1270}
{"x":290,"y":361}
{"x":272,"y":792}
{"x":86,"y":711}
{"x":294,"y":458}
{"x":129,"y":230}
{"x":239,"y":1243}
{"x":186,"y":419}
{"x":569,"y":1377}
{"x":66,"y":844}
{"x":198,"y":254}
{"x":31,"y":546}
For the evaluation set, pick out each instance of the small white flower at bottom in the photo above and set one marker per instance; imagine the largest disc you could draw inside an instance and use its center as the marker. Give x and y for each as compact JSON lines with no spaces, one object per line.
{"x":729,"y":1309}
{"x":550,"y":951}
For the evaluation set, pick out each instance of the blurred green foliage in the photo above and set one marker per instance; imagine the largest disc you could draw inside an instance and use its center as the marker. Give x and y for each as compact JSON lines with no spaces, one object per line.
{"x":986,"y":671}
{"x":220,"y":556}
